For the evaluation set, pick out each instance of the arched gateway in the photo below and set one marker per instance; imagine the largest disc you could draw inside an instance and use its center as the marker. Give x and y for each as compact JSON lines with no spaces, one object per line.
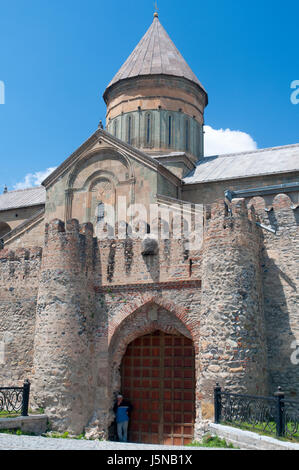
{"x":158,"y":377}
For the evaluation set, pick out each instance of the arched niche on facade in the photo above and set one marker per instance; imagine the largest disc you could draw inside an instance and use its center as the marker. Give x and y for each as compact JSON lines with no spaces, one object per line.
{"x":100,"y":160}
{"x":101,"y":200}
{"x":98,"y":178}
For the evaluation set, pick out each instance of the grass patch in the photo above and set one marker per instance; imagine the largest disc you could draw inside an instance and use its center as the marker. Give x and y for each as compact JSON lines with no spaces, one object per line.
{"x":16,"y":432}
{"x":5,"y":414}
{"x":212,"y":441}
{"x":261,"y":431}
{"x":14,"y":414}
{"x":64,"y":435}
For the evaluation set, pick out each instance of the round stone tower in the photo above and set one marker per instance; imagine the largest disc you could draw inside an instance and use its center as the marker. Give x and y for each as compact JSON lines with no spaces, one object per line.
{"x":63,"y":382}
{"x":155,"y":102}
{"x":232,"y":328}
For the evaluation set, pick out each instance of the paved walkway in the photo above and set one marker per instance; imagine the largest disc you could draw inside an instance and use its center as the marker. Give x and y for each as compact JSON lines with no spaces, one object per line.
{"x":13,"y":442}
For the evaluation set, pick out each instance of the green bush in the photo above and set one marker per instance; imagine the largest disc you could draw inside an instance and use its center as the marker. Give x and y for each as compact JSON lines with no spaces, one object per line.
{"x":211,"y":441}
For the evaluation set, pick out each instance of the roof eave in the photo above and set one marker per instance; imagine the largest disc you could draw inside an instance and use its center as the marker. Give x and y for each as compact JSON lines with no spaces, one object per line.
{"x":23,"y":206}
{"x":107,"y":137}
{"x":233,"y":178}
{"x":122,"y":80}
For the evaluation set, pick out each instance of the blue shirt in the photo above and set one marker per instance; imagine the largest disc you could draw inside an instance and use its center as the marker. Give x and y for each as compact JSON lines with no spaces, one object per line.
{"x":121,"y":414}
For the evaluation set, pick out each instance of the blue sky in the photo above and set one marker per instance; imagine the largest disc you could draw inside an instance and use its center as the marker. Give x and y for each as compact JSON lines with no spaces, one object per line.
{"x":57,"y":57}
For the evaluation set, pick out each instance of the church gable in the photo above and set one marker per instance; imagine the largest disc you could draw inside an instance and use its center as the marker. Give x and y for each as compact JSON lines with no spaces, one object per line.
{"x":102,"y":172}
{"x":99,"y":180}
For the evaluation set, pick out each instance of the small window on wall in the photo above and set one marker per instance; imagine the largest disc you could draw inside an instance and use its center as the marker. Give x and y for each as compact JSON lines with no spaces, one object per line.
{"x":187,"y":135}
{"x":129,"y":129}
{"x":100,"y":213}
{"x":148,"y":128}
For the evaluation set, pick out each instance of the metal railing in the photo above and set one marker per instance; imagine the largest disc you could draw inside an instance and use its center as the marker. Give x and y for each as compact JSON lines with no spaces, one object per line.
{"x":273,"y":415}
{"x":15,"y":399}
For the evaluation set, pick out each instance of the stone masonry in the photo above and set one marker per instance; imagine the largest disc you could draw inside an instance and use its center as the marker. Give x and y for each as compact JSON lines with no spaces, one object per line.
{"x":73,"y":302}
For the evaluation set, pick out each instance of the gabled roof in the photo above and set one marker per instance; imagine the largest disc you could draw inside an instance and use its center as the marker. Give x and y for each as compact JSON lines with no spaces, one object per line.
{"x":155,"y":54}
{"x":246,"y":164}
{"x":36,"y":218}
{"x":120,"y":146}
{"x":23,"y":198}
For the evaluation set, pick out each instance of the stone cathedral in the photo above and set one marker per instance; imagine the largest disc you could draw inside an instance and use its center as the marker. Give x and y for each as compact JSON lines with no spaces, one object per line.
{"x":89,"y":309}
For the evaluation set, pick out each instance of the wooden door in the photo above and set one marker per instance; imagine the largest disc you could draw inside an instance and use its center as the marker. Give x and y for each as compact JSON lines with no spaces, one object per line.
{"x":158,"y":378}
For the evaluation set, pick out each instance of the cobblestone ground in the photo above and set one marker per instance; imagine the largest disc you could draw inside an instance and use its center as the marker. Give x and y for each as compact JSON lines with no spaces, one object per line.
{"x":12,"y":442}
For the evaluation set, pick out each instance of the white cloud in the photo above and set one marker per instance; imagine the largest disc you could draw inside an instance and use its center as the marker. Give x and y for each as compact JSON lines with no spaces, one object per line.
{"x":34,"y":179}
{"x":221,"y":141}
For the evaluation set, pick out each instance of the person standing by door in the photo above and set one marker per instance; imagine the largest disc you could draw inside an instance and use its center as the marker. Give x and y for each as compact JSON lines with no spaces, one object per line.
{"x":122,"y":409}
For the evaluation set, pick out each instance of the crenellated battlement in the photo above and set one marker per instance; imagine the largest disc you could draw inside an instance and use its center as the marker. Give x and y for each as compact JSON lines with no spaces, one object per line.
{"x":20,"y":264}
{"x":20,"y":254}
{"x":231,"y":224}
{"x":221,"y":211}
{"x":68,"y":245}
{"x":72,"y":226}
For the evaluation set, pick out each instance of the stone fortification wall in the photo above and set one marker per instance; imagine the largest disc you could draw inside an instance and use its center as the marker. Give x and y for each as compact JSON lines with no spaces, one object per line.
{"x":232,"y":329}
{"x":19,"y":279}
{"x":63,"y":374}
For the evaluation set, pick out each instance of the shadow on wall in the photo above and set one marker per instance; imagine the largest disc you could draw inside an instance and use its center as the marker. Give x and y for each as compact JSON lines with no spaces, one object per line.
{"x":279,"y":309}
{"x":278,"y":268}
{"x":280,"y":291}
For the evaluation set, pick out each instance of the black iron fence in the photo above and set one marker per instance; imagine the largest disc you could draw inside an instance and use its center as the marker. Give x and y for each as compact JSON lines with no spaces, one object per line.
{"x":271,"y":415}
{"x":15,"y":399}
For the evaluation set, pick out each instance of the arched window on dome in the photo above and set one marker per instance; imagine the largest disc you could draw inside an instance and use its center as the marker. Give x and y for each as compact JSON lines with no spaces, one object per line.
{"x":187,"y":135}
{"x":129,"y":129}
{"x":115,"y":128}
{"x":170,"y":130}
{"x":148,"y":125}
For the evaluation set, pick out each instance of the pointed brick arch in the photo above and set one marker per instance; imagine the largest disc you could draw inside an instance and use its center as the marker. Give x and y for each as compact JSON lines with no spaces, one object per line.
{"x":146,"y":299}
{"x":137,"y":319}
{"x":145,"y":316}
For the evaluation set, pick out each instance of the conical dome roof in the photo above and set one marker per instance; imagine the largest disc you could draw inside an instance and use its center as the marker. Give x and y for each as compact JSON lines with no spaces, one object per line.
{"x":155,"y":54}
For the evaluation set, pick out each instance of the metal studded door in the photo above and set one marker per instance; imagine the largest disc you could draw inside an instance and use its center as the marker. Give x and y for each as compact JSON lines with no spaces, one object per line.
{"x":158,"y":378}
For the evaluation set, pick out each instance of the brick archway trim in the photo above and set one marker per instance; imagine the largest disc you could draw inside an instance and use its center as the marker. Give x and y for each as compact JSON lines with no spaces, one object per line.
{"x":180,"y":312}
